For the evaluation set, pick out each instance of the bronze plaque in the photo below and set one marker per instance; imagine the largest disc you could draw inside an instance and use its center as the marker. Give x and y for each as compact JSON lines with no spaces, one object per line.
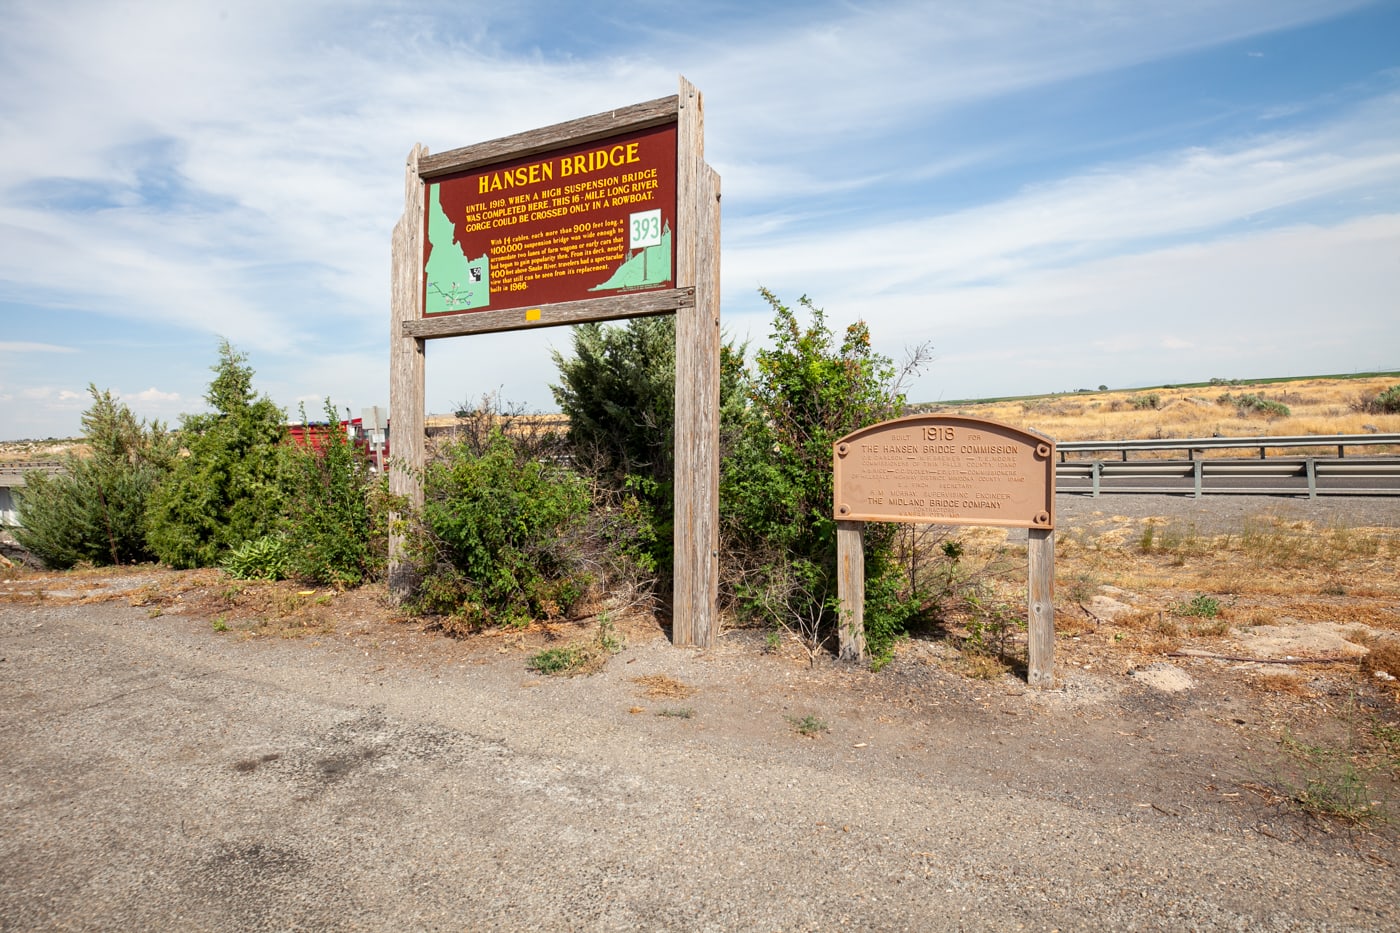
{"x":945,"y":470}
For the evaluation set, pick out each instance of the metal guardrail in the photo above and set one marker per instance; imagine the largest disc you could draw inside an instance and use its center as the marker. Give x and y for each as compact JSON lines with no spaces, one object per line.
{"x":1313,"y":476}
{"x":1194,"y":446}
{"x":12,"y":471}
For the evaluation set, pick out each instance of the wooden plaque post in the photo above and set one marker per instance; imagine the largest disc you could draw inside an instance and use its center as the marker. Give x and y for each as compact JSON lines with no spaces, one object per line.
{"x":947,"y":470}
{"x":850,"y":589}
{"x":1040,"y":608}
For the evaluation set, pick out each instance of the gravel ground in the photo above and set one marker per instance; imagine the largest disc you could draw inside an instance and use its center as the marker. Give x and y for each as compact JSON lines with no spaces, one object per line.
{"x":160,"y":775}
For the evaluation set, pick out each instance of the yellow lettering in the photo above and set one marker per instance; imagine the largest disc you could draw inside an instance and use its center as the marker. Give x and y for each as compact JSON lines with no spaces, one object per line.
{"x":597,"y":160}
{"x":518,"y":177}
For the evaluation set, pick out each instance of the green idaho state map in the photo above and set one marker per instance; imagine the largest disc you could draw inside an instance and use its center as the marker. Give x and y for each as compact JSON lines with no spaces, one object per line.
{"x":650,"y":267}
{"x":455,"y":282}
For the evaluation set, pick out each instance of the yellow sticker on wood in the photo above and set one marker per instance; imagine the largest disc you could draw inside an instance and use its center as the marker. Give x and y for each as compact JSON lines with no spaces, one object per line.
{"x":533,"y":314}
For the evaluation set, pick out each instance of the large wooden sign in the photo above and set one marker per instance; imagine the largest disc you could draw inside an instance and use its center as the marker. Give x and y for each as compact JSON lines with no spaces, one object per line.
{"x":587,"y":220}
{"x":946,"y":470}
{"x":610,"y":216}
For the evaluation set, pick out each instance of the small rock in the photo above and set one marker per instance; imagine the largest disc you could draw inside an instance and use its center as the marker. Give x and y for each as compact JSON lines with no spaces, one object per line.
{"x":1108,"y":608}
{"x":1164,"y":677}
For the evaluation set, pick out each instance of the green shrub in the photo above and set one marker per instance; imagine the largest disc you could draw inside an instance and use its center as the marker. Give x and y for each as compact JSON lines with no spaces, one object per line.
{"x":1249,"y":403}
{"x":557,"y":660}
{"x":990,"y":625}
{"x":500,"y":537}
{"x":95,"y":510}
{"x":776,"y":495}
{"x":264,"y":558}
{"x":231,"y":487}
{"x":335,"y":523}
{"x":809,"y":725}
{"x":618,"y":391}
{"x":1151,"y":400}
{"x":581,"y":658}
{"x":776,"y":428}
{"x":1200,"y":606}
{"x":1383,"y":403}
{"x":890,"y":609}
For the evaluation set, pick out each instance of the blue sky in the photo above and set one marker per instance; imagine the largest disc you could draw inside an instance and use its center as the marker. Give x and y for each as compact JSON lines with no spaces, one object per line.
{"x":1054,"y":195}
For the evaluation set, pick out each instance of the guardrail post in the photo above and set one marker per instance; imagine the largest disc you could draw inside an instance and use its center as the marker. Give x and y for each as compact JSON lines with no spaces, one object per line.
{"x":1096,"y":472}
{"x":1312,"y":477}
{"x":1197,"y":468}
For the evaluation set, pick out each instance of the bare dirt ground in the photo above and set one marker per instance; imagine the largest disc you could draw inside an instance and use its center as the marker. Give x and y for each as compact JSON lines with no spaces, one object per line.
{"x":182,"y":751}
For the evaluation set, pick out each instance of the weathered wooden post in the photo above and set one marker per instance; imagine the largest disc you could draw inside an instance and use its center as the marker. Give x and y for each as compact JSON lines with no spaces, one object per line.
{"x":1040,"y":608}
{"x":850,"y":589}
{"x":696,"y":531}
{"x":406,"y":371}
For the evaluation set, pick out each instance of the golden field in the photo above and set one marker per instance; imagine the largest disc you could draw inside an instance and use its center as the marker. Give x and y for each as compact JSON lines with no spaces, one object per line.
{"x":1317,"y":406}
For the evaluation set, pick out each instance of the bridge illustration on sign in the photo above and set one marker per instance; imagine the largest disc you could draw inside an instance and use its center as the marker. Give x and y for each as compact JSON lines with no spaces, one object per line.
{"x":646,"y":268}
{"x":456,"y":282}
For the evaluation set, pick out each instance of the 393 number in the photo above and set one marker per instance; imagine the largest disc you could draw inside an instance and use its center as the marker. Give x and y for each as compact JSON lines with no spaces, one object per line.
{"x":645,"y":228}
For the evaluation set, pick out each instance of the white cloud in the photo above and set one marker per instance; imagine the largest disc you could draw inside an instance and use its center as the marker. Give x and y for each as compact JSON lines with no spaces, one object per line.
{"x":151,"y":395}
{"x":1113,"y":209}
{"x":50,"y":394}
{"x":21,"y":346}
{"x":1299,"y":301}
{"x":832,"y":78}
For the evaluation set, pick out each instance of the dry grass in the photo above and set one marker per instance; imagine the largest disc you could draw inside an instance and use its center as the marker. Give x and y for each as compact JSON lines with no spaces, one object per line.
{"x":1180,"y":588}
{"x":979,"y":665}
{"x":661,"y":687}
{"x":1288,"y":683}
{"x":1318,"y":406}
{"x":1382,"y":663}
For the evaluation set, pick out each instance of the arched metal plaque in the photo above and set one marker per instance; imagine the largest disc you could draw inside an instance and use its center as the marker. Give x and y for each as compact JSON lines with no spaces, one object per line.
{"x":945,"y":470}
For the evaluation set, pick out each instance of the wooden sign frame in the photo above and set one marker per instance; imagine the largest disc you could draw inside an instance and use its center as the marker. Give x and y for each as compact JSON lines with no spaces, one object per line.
{"x":947,"y":470}
{"x":694,"y":300}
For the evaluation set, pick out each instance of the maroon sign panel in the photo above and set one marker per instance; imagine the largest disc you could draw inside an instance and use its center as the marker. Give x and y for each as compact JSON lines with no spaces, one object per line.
{"x":588,"y":221}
